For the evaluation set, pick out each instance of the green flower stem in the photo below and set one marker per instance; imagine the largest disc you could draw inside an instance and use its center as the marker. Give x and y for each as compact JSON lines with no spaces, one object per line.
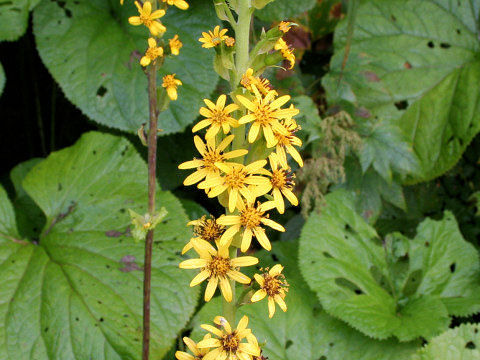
{"x":242,"y":45}
{"x":152,"y":166}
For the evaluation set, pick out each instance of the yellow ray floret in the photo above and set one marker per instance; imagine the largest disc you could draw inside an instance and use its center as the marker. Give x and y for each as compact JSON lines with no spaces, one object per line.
{"x":228,"y":344}
{"x":170,"y":84}
{"x":149,"y":19}
{"x":272,"y":285}
{"x":249,"y":221}
{"x":181,"y":4}
{"x":284,"y":26}
{"x":239,"y":180}
{"x":152,"y":53}
{"x":217,"y":267}
{"x":175,"y":45}
{"x":265,"y":113}
{"x":281,"y":183}
{"x":287,"y":53}
{"x":217,"y":117}
{"x":198,"y":353}
{"x":205,"y":229}
{"x":286,"y":142}
{"x":212,"y":39}
{"x":249,"y":81}
{"x":211,"y":155}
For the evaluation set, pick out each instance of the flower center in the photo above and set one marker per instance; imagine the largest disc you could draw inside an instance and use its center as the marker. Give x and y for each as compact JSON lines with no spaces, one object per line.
{"x":210,"y":158}
{"x":169,"y":81}
{"x":145,"y":19}
{"x":152,"y":53}
{"x":230,"y":342}
{"x":209,"y":230}
{"x":279,"y":179}
{"x":272,"y":284}
{"x":218,"y":116}
{"x":236,"y":179}
{"x":263,"y":114}
{"x":219,"y":266}
{"x":250,"y":217}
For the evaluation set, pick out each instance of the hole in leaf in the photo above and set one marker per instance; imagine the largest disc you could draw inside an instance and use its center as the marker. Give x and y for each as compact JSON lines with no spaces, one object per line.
{"x":288,"y":344}
{"x":453,"y":267}
{"x":347,"y":284}
{"x":459,"y":32}
{"x":327,"y":255}
{"x":102,"y":90}
{"x":427,"y":244}
{"x":59,"y":187}
{"x":445,"y":45}
{"x":470,"y":345}
{"x":401,"y":105}
{"x":393,"y":17}
{"x":430,"y":44}
{"x":101,"y":319}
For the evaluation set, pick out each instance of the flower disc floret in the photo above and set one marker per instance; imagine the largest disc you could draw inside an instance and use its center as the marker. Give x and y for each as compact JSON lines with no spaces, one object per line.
{"x":217,"y":117}
{"x":175,"y":45}
{"x":205,"y":228}
{"x":152,"y":53}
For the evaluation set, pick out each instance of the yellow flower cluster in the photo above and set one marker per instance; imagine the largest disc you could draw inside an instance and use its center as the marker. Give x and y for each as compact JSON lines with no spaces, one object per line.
{"x":150,"y":19}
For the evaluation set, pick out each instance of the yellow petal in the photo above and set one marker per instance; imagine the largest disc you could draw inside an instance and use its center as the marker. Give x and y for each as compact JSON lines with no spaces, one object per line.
{"x":208,"y":343}
{"x":235,"y":153}
{"x":278,"y":299}
{"x":201,"y":124}
{"x":210,"y":290}
{"x":191,"y":345}
{"x":262,"y":238}
{"x":199,"y":278}
{"x":145,"y":61}
{"x":180,"y":355}
{"x":193,"y":264}
{"x":222,"y":99}
{"x":276,"y":270}
{"x":246,"y":240}
{"x":238,"y":277}
{"x":212,"y":329}
{"x":244,"y":261}
{"x":273,"y":224}
{"x":259,"y":278}
{"x":290,"y":196}
{"x":135,"y":20}
{"x":271,"y":307}
{"x":278,"y":199}
{"x":279,"y":102}
{"x":228,"y":220}
{"x":253,"y":133}
{"x":192,"y":164}
{"x":249,"y":349}
{"x":259,"y":295}
{"x":226,"y":289}
{"x":247,"y":103}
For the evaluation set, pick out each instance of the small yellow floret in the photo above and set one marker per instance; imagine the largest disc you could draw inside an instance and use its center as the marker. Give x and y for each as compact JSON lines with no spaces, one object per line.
{"x":171,"y":84}
{"x":149,"y":19}
{"x":175,"y":45}
{"x":152,"y":53}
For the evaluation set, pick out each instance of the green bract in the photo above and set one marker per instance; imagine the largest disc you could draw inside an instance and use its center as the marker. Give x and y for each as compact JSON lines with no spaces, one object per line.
{"x":305,"y":331}
{"x":460,"y":343}
{"x":77,"y":292}
{"x":88,"y":47}
{"x":417,"y":64}
{"x":406,"y":288}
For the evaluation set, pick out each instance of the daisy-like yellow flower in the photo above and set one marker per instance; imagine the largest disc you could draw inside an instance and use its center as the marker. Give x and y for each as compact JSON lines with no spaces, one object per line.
{"x":284,"y":26}
{"x":198,"y":354}
{"x":238,"y":180}
{"x":211,"y":155}
{"x":217,"y":117}
{"x":274,"y":286}
{"x":218,"y":268}
{"x":175,"y":45}
{"x":281,"y":182}
{"x":250,"y":219}
{"x":212,"y":39}
{"x":149,"y":19}
{"x":265,"y":113}
{"x":262,"y":84}
{"x":152,"y":53}
{"x":181,"y":4}
{"x":229,"y":344}
{"x":206,"y":229}
{"x":171,"y":84}
{"x":230,"y":41}
{"x":287,"y":53}
{"x":286,"y":143}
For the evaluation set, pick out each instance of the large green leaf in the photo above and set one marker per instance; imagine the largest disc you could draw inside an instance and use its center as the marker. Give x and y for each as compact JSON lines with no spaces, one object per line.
{"x":2,"y":79}
{"x":284,"y":9}
{"x":14,"y":18}
{"x":406,"y":288}
{"x":77,"y":294}
{"x":88,"y":45}
{"x":304,"y":331}
{"x":460,"y":343}
{"x":424,"y":74}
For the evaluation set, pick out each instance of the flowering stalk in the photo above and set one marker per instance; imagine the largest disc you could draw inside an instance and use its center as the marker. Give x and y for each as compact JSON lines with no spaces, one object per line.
{"x":149,"y":15}
{"x":257,"y":132}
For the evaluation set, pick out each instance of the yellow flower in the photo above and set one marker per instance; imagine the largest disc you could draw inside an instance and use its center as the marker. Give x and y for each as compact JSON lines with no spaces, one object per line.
{"x":198,"y":354}
{"x":212,"y":39}
{"x":175,"y":45}
{"x":265,"y":112}
{"x":218,"y":268}
{"x":249,"y":220}
{"x":210,"y":156}
{"x":148,"y":18}
{"x":206,"y":229}
{"x":181,"y":4}
{"x":281,"y":182}
{"x":286,"y":143}
{"x":237,"y":180}
{"x":229,"y":41}
{"x":152,"y":53}
{"x":171,"y":84}
{"x":287,"y":53}
{"x":217,"y":116}
{"x":284,"y":26}
{"x":273,"y":285}
{"x":262,"y":85}
{"x":228,"y":344}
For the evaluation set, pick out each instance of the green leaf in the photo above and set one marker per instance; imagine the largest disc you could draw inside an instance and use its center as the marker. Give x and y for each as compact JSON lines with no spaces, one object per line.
{"x":422,"y":73}
{"x":2,"y":79}
{"x":88,"y":45}
{"x":309,"y":119}
{"x":284,"y":9}
{"x":80,"y":288}
{"x":14,"y":19}
{"x":30,"y":217}
{"x":304,"y":331}
{"x":460,"y":343}
{"x":406,"y":288}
